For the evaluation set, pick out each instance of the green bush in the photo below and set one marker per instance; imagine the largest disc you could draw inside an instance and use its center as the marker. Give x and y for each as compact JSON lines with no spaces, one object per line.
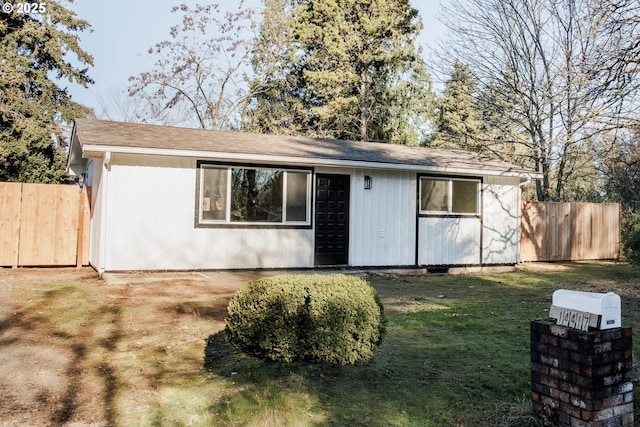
{"x":335,"y":319}
{"x":631,"y":241}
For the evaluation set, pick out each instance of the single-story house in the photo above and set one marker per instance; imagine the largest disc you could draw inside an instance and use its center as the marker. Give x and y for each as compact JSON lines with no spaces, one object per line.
{"x":168,"y":198}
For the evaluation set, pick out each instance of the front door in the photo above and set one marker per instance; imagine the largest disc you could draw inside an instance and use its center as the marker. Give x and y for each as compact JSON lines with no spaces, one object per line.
{"x":332,"y":220}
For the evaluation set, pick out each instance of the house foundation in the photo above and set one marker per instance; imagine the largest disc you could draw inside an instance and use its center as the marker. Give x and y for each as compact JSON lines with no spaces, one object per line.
{"x":582,"y":379}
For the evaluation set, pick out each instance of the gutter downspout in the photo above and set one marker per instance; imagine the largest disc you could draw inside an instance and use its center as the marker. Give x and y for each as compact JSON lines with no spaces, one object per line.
{"x":107,"y":160}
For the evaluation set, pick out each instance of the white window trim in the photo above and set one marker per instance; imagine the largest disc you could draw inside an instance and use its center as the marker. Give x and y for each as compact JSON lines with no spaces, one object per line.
{"x":449,"y":211}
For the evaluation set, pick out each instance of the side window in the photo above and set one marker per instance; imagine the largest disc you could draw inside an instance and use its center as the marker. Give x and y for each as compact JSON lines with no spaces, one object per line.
{"x":213,"y":184}
{"x":297,"y":196}
{"x":449,"y":196}
{"x":464,"y":196}
{"x":434,"y":195}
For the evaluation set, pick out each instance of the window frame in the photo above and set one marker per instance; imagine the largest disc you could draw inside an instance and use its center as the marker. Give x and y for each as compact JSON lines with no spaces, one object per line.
{"x":202,"y":166}
{"x":449,"y":212}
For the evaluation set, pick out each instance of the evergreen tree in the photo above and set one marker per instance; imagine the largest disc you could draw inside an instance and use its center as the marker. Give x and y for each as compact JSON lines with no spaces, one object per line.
{"x":457,"y":122}
{"x":274,"y":107}
{"x":34,"y":50}
{"x":350,"y":70}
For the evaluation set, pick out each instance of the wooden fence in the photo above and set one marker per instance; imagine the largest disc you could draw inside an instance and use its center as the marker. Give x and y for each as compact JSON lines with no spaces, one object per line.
{"x":43,"y":225}
{"x":569,"y":231}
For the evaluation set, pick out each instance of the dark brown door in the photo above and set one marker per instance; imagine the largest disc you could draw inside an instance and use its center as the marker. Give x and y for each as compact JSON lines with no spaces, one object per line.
{"x":332,"y":220}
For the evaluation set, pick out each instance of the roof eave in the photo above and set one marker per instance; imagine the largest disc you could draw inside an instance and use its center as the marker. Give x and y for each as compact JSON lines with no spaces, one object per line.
{"x":75,"y":155}
{"x":93,"y":150}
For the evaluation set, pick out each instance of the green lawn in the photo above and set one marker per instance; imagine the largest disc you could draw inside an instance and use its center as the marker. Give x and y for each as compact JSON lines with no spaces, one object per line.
{"x":456,"y":353}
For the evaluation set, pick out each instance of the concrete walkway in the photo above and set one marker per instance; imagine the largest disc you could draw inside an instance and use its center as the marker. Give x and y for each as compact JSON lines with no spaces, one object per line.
{"x":232,"y":279}
{"x":229,"y":280}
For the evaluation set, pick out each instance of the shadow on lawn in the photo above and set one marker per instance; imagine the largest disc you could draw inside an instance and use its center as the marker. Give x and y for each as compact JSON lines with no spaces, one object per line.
{"x":51,"y":393}
{"x":398,"y":388}
{"x":216,"y":311}
{"x":436,"y":358}
{"x":457,"y":353}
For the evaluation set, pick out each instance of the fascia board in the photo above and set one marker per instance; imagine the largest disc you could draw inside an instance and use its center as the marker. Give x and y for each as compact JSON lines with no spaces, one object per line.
{"x":89,"y":150}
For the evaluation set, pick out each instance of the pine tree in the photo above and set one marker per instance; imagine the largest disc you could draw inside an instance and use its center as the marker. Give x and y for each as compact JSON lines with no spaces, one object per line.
{"x":274,"y":107}
{"x":457,"y":122}
{"x":34,"y":49}
{"x":350,"y":70}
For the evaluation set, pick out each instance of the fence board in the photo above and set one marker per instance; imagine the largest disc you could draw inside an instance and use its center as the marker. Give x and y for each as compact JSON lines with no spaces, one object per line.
{"x":10,"y":194}
{"x":569,"y":231}
{"x":49,"y":225}
{"x":49,"y":222}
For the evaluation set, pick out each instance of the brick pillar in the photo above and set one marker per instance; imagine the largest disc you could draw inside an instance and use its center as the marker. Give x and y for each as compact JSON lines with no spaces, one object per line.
{"x":582,"y":379}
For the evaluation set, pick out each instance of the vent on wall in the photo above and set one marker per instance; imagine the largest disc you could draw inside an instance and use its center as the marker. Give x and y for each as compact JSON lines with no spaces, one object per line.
{"x":438,"y":270}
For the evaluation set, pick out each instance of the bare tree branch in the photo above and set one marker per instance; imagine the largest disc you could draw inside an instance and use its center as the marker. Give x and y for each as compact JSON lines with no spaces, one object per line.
{"x":546,"y":78}
{"x":202,"y":71}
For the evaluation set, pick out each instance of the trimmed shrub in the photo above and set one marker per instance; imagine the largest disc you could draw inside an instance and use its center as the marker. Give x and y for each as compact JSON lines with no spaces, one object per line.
{"x":335,"y":319}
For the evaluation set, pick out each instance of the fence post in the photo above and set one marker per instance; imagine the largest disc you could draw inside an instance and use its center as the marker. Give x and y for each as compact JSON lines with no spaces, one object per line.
{"x":80,"y":249}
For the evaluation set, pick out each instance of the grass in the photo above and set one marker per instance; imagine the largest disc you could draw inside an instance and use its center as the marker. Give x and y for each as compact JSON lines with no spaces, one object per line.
{"x":456,"y":354}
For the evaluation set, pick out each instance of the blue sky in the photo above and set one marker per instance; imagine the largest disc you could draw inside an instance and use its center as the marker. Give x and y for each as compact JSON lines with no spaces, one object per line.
{"x":124,"y":30}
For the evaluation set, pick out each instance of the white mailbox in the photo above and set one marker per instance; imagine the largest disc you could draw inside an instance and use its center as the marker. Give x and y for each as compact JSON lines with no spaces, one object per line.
{"x":605,"y":306}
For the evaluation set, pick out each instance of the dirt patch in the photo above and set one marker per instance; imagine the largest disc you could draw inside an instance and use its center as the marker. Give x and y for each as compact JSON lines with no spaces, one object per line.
{"x":57,"y":361}
{"x":71,"y":341}
{"x":560,"y":265}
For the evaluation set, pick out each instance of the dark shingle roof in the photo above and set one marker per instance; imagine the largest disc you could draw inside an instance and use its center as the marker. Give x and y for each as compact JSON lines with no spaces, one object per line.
{"x":114,"y":136}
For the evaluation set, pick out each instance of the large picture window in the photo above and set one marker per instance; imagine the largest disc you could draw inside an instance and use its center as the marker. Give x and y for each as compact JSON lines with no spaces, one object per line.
{"x":449,"y":196}
{"x":250,"y":195}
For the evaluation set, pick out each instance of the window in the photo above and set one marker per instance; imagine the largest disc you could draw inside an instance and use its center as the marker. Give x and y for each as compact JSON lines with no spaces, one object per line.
{"x":256,"y":195}
{"x":449,"y":196}
{"x":297,"y":196}
{"x":214,"y":194}
{"x":248,"y":195}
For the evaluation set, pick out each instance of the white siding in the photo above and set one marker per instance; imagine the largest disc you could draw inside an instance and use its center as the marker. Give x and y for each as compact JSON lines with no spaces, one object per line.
{"x":144,"y":214}
{"x":95,"y":180}
{"x":464,"y":241}
{"x":449,"y":241}
{"x":501,"y":224}
{"x":151,"y":224}
{"x":383,"y":219}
